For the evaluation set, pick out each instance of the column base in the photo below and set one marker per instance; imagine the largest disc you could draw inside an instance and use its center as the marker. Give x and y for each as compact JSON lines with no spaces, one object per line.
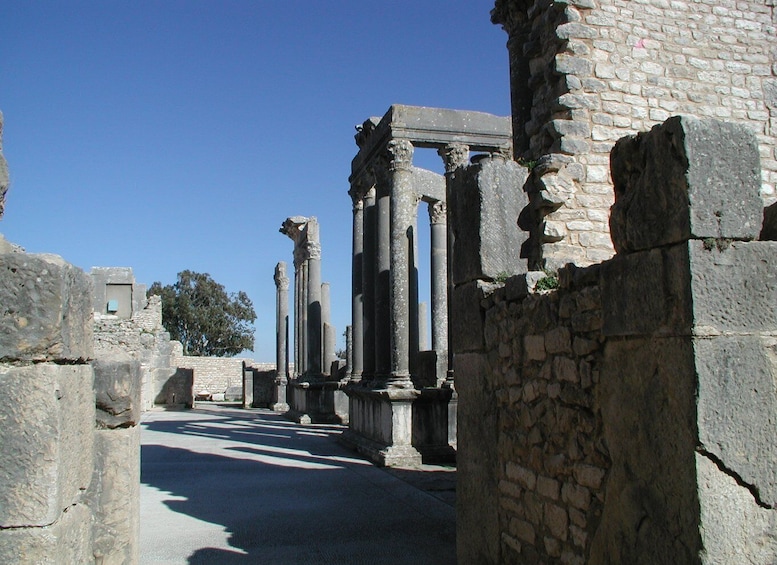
{"x":321,"y":402}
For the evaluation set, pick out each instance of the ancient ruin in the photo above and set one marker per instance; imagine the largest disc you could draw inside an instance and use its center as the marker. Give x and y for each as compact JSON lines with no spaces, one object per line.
{"x":314,"y":394}
{"x":402,"y":399}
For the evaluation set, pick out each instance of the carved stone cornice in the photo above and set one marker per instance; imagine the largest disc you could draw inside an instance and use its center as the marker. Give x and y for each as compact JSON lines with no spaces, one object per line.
{"x":401,"y":155}
{"x":438,"y":212}
{"x":454,"y":156}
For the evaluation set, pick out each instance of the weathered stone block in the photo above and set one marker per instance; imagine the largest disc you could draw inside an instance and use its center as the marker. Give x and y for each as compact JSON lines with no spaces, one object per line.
{"x":115,"y":495}
{"x":485,"y":201}
{"x":685,"y":179}
{"x":467,"y":324}
{"x":117,"y":391}
{"x":46,"y":437}
{"x":647,"y":293}
{"x":734,"y":286}
{"x":737,"y":408}
{"x":66,"y":541}
{"x":47,"y":306}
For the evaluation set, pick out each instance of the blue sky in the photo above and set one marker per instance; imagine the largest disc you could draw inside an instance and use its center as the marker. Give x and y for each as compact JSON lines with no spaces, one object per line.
{"x":172,"y":135}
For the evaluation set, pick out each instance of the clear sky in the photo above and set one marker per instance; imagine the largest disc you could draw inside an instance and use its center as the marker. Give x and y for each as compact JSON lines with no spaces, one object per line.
{"x":172,"y":135}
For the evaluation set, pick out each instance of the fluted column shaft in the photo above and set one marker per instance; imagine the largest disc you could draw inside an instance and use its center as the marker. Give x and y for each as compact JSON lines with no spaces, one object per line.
{"x":368,"y":279}
{"x":439,"y":276}
{"x":356,"y":350}
{"x":282,"y":322}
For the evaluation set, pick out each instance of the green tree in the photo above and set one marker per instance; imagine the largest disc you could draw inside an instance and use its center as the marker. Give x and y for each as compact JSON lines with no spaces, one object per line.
{"x":199,"y":313}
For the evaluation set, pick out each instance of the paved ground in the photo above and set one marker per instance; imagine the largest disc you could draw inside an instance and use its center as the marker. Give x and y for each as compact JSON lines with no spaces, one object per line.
{"x":224,"y":485}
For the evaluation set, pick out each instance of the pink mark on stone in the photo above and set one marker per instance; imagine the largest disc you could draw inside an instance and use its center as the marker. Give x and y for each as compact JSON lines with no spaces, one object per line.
{"x":640,"y":44}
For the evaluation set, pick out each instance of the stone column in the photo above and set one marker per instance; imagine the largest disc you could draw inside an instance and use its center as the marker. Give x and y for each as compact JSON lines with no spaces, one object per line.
{"x":282,"y":321}
{"x":403,"y":202}
{"x":368,"y":278}
{"x":314,"y":321}
{"x":297,"y":317}
{"x":382,"y":270}
{"x":454,"y":156}
{"x":439,"y":278}
{"x":303,"y":321}
{"x":356,"y":366}
{"x":329,"y":332}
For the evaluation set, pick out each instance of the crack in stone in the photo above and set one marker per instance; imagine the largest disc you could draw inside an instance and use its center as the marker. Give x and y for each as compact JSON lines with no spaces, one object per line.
{"x":734,"y":475}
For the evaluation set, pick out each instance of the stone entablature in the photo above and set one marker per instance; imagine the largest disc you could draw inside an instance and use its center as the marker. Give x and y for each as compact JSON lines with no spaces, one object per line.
{"x":585,"y":73}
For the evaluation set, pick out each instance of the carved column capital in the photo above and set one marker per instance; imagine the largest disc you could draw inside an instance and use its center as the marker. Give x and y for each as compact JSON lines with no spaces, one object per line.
{"x":512,"y":15}
{"x":454,"y":155}
{"x":401,"y":155}
{"x":281,"y":279}
{"x":313,"y":250}
{"x":438,"y":212}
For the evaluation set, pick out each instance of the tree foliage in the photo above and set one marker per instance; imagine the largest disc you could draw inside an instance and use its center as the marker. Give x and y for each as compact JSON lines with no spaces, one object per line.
{"x":198,"y":312}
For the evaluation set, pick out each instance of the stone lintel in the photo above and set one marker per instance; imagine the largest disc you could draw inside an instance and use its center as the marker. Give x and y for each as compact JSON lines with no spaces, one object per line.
{"x":434,"y":128}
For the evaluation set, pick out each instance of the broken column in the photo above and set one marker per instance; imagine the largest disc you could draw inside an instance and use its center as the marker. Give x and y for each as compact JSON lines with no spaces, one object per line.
{"x":315,"y":397}
{"x":281,"y":337}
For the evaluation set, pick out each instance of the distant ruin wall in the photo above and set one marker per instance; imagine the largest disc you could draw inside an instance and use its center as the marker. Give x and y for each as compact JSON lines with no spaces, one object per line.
{"x":213,"y":374}
{"x":585,"y":73}
{"x":627,"y":416}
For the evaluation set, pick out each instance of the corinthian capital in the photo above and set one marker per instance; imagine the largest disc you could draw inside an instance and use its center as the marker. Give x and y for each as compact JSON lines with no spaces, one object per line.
{"x":281,"y":280}
{"x":511,"y":14}
{"x":438,"y":212}
{"x":454,"y":155}
{"x":401,"y":152}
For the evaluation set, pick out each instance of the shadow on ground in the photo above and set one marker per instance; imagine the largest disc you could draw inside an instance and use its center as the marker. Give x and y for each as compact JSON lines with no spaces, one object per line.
{"x":288,"y":493}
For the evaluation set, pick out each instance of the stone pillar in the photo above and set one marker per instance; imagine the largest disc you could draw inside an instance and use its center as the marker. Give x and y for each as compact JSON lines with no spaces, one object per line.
{"x":297,"y":317}
{"x":454,"y":156}
{"x":403,"y":202}
{"x":329,"y":332}
{"x":382,"y":274}
{"x":423,"y":332}
{"x":368,"y":278}
{"x":439,"y":280}
{"x":314,"y":306}
{"x":348,"y":350}
{"x":356,"y":351}
{"x":282,"y":336}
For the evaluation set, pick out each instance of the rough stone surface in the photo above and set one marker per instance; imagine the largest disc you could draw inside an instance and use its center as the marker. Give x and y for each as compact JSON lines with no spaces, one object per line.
{"x":48,"y":418}
{"x":115,"y":496}
{"x":610,"y":69}
{"x":46,"y":309}
{"x":117,"y":391}
{"x":737,"y":402}
{"x":686,"y":178}
{"x":486,"y":199}
{"x":66,"y":541}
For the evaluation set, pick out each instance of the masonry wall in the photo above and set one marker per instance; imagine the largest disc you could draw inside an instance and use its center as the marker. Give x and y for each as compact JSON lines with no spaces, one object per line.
{"x":627,"y":415}
{"x":213,"y":374}
{"x":585,"y":73}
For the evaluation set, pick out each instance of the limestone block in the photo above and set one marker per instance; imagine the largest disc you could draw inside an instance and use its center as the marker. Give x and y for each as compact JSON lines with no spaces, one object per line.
{"x":66,"y":541}
{"x":737,"y":408}
{"x":734,"y":528}
{"x":647,"y":394}
{"x":46,"y":436}
{"x":686,"y":178}
{"x":485,"y":202}
{"x":647,"y":293}
{"x":467,"y":317}
{"x":47,"y":306}
{"x":734,"y":287}
{"x":117,"y":391}
{"x":115,"y":495}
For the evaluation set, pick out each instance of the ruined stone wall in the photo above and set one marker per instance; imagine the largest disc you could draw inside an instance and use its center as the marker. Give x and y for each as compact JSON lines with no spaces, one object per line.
{"x":144,"y":338}
{"x":627,"y":416}
{"x":214,"y":374}
{"x":585,"y":73}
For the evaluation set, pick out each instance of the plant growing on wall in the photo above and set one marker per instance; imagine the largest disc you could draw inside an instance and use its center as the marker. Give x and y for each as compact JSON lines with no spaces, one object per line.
{"x":198,"y":312}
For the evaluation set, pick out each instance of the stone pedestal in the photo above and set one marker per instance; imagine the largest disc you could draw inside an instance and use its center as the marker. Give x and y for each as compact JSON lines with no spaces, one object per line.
{"x":322,"y":402}
{"x":381,"y":425}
